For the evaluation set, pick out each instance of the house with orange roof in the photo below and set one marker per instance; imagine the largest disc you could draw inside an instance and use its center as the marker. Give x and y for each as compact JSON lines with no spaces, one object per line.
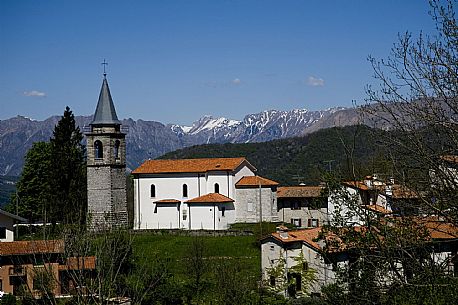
{"x":195,"y":194}
{"x":356,"y":200}
{"x":24,"y":263}
{"x":303,"y":205}
{"x":322,"y":251}
{"x":297,"y":252}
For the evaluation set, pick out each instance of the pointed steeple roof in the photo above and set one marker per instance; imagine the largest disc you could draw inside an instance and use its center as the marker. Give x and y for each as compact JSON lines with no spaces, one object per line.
{"x":105,"y":113}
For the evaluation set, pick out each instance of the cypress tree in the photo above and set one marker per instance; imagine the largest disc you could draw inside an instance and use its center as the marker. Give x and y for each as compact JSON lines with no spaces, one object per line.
{"x":68,"y":172}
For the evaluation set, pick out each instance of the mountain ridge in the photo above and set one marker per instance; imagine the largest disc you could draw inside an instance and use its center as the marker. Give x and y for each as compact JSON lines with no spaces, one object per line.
{"x":151,"y":139}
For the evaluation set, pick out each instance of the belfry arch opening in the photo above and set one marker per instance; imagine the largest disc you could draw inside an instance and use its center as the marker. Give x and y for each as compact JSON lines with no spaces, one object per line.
{"x":116,"y":149}
{"x":98,"y":148}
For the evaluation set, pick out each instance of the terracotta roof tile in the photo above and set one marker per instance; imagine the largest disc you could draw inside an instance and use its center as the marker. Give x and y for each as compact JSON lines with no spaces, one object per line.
{"x":356,"y":184}
{"x":190,"y":165}
{"x":377,"y":208}
{"x":79,"y":263}
{"x":255,"y":181}
{"x":31,"y":247}
{"x":211,"y":198}
{"x":438,"y":228}
{"x":450,"y":158}
{"x":403,"y":192}
{"x":301,"y":191}
{"x":168,"y":201}
{"x":308,"y":236}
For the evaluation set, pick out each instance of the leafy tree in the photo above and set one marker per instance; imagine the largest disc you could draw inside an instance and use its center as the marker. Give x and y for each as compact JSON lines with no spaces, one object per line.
{"x":68,"y":172}
{"x":391,"y":259}
{"x":52,"y":186}
{"x":418,"y":97}
{"x":33,"y":188}
{"x":286,"y":278}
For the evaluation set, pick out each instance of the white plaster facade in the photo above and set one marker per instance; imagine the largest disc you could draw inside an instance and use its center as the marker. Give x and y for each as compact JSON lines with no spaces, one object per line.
{"x":7,"y":221}
{"x":169,"y":205}
{"x":274,"y":248}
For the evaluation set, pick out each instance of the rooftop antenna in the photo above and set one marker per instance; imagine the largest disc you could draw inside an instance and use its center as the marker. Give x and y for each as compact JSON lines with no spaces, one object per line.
{"x":104,"y":65}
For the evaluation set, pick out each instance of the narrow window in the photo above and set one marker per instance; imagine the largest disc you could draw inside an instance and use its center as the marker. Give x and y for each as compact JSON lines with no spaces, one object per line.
{"x":155,"y":209}
{"x":98,"y":149}
{"x":250,"y":206}
{"x":185,"y":191}
{"x":216,"y":188}
{"x":272,"y":248}
{"x":272,"y":280}
{"x":2,"y":232}
{"x":185,"y":214}
{"x":153,"y":191}
{"x":296,"y":221}
{"x":305,"y":266}
{"x":116,"y":149}
{"x":223,"y":210}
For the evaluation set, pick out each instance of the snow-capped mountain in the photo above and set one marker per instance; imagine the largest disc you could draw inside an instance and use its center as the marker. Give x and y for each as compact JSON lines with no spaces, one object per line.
{"x":258,"y":127}
{"x":148,"y":139}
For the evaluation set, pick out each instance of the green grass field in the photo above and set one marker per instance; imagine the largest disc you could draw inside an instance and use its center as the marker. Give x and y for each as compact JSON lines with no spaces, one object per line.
{"x":242,"y":250}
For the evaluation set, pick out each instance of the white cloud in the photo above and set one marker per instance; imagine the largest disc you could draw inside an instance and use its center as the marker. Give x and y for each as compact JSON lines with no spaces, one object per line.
{"x":315,"y":82}
{"x":236,"y":81}
{"x":34,"y":93}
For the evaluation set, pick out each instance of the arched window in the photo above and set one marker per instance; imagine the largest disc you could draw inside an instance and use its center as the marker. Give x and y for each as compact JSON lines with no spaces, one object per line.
{"x":216,"y":188}
{"x":153,"y":191}
{"x":98,"y":149}
{"x":185,"y":191}
{"x":116,"y":149}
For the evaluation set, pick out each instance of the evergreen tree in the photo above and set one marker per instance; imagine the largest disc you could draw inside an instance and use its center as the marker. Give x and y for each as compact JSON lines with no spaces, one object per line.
{"x":68,"y":172}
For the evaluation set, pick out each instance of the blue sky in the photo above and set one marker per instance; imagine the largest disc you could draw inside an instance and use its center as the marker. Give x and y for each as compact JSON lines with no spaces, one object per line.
{"x":175,"y":61}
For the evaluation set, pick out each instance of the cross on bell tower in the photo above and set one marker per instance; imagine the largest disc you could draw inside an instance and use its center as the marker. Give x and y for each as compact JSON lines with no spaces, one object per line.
{"x":106,"y":165}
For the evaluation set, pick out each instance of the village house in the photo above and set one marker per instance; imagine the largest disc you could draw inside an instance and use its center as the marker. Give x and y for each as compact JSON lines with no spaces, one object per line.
{"x":297,"y":252}
{"x":24,"y":265}
{"x":197,"y":194}
{"x":304,"y":206}
{"x":7,"y":221}
{"x":355,"y":200}
{"x":287,"y":256}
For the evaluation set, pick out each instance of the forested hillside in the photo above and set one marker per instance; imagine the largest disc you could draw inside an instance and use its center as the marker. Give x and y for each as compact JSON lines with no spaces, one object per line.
{"x":304,"y":159}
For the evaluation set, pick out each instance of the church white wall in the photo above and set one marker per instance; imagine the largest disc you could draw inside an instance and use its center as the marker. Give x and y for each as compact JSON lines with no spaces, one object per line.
{"x":223,"y":180}
{"x":167,"y":216}
{"x":242,"y":172}
{"x":170,"y":186}
{"x":167,"y":187}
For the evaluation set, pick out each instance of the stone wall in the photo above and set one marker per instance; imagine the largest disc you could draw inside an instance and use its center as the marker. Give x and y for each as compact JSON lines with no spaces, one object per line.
{"x":248,"y":208}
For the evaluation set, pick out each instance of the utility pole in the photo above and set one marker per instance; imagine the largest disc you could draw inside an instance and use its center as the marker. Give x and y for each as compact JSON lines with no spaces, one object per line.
{"x":299,"y":179}
{"x":17,"y":214}
{"x":329,"y":162}
{"x":260,"y":207}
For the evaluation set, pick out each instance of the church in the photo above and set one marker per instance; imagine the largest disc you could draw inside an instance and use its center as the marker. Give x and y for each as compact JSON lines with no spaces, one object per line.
{"x":189,"y":194}
{"x":201,"y":194}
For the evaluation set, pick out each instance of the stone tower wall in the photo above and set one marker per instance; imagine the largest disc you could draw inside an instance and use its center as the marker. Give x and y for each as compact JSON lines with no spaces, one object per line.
{"x":106,"y":180}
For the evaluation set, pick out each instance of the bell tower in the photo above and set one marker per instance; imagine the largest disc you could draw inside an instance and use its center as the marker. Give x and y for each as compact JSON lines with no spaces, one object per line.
{"x":106,"y":166}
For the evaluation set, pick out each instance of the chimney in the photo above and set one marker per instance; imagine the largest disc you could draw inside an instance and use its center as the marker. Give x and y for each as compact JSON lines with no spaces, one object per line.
{"x":283,"y":231}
